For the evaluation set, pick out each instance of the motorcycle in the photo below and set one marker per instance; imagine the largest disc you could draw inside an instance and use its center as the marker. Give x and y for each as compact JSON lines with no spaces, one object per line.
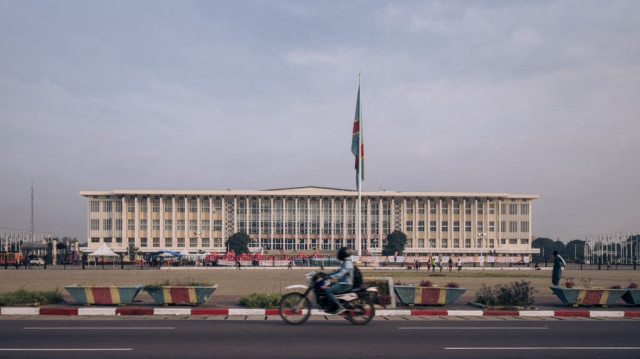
{"x":295,"y":307}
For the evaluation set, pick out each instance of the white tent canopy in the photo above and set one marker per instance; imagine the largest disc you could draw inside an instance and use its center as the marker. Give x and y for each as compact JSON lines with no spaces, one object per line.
{"x":103,"y":251}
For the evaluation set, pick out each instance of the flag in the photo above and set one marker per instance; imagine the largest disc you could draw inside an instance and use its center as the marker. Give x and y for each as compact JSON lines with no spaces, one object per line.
{"x":357,"y":141}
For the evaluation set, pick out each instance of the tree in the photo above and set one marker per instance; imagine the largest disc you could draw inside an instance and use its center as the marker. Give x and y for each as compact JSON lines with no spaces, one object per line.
{"x":239,"y":243}
{"x":395,"y":242}
{"x":131,"y":251}
{"x":547,"y":246}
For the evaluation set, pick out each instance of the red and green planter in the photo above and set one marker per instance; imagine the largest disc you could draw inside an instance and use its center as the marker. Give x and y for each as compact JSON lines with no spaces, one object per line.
{"x":176,"y":294}
{"x":588,"y":296}
{"x":86,"y":294}
{"x":412,"y":295}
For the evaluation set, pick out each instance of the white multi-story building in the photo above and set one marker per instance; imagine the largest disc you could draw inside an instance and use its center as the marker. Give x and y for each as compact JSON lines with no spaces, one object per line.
{"x":311,"y":219}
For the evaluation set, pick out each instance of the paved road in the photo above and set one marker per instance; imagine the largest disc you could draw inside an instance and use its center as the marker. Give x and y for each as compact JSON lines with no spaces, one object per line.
{"x":398,"y":338}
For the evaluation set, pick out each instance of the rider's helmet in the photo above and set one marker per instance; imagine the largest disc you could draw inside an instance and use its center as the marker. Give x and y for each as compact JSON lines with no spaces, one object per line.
{"x":343,"y":253}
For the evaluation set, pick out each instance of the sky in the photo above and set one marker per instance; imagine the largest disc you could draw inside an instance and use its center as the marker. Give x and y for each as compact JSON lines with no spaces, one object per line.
{"x":525,"y":97}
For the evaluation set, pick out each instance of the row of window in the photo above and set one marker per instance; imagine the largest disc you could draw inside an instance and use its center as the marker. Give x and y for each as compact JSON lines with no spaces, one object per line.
{"x":168,"y":242}
{"x":109,"y":206}
{"x":444,"y":226}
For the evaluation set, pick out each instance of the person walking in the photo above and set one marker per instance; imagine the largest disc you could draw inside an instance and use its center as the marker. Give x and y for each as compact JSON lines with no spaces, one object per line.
{"x":558,"y":265}
{"x":450,"y":264}
{"x":459,"y":264}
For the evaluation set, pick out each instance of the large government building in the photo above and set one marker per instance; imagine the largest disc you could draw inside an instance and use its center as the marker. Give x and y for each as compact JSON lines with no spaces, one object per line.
{"x":478,"y":225}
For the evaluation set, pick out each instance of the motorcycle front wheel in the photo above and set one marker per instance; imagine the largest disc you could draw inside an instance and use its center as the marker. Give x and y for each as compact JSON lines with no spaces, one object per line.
{"x":295,"y":308}
{"x":362,"y":311}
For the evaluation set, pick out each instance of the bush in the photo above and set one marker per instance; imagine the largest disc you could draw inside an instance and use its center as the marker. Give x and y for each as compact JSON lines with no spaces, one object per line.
{"x":426,"y":283}
{"x":617,"y":286}
{"x":518,"y":294}
{"x":23,"y":297}
{"x":569,"y":283}
{"x":633,"y":285}
{"x":261,"y":300}
{"x":452,"y":285}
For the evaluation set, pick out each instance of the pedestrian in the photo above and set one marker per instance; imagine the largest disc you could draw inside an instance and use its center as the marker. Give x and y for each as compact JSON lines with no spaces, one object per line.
{"x":238,"y":264}
{"x":290,"y":264}
{"x":433,"y":264}
{"x":440,"y":266}
{"x":450,"y":264}
{"x":459,"y":264}
{"x":415,"y":264}
{"x":558,"y":265}
{"x":428,"y":264}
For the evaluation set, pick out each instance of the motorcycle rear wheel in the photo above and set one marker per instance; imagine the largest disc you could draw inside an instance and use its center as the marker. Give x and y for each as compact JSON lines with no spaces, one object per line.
{"x":362,"y":312}
{"x":295,"y":308}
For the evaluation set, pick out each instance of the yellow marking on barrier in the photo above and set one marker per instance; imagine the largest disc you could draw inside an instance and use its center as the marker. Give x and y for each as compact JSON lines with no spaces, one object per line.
{"x":193,"y":297}
{"x":166,"y":293}
{"x":604,"y":297}
{"x":581,"y":295}
{"x":115,"y":295}
{"x":88,"y":292}
{"x":417,"y":297}
{"x":443,"y":296}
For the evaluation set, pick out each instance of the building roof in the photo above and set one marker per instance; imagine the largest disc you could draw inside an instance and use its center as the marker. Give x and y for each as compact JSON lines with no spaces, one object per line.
{"x":304,"y":191}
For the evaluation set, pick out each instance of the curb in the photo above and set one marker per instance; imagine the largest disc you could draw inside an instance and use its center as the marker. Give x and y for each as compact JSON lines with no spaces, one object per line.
{"x":130,"y":311}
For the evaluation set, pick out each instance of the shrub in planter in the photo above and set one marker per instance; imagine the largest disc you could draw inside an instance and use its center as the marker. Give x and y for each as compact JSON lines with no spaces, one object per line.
{"x":569,"y":283}
{"x":426,"y":283}
{"x":452,"y":285}
{"x":260,"y":300}
{"x":515,"y":294}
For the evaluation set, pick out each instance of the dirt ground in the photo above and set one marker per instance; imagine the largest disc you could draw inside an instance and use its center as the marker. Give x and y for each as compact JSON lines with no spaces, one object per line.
{"x":233,"y":283}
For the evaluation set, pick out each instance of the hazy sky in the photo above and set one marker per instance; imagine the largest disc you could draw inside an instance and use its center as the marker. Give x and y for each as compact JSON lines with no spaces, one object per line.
{"x":536,"y":97}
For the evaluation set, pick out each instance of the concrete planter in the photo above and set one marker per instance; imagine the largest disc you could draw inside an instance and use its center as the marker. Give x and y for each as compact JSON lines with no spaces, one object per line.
{"x":427,"y":295}
{"x":632,"y":296}
{"x":588,"y":296}
{"x":176,"y":294}
{"x":103,"y":294}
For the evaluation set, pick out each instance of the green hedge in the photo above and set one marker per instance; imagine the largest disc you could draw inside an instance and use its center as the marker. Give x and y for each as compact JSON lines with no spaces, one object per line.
{"x":261,"y":300}
{"x":25,"y":297}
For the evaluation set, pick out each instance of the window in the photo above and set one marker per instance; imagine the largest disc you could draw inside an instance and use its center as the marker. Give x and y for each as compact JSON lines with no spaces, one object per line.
{"x":206,"y":242}
{"x":156,"y":242}
{"x":193,"y":224}
{"x":193,"y":206}
{"x":95,"y":240}
{"x":143,"y":224}
{"x":492,"y":226}
{"x":456,"y":208}
{"x":132,"y":240}
{"x":218,"y":206}
{"x":432,"y":243}
{"x":524,"y":241}
{"x":143,"y":205}
{"x":492,"y":208}
{"x":513,"y":226}
{"x":95,"y":224}
{"x":479,"y":227}
{"x":205,"y":206}
{"x":480,"y":208}
{"x":467,"y":226}
{"x":445,"y":208}
{"x":118,"y":239}
{"x":118,"y":224}
{"x":524,"y":226}
{"x":156,"y":224}
{"x":409,"y":226}
{"x":131,"y":206}
{"x":524,"y":208}
{"x":409,"y":208}
{"x":421,"y":226}
{"x":513,"y":208}
{"x":168,"y":242}
{"x":445,"y":226}
{"x":456,"y":243}
{"x":444,"y":243}
{"x":119,"y":207}
{"x":503,"y":226}
{"x":181,"y":242}
{"x":95,"y":206}
{"x":131,"y":224}
{"x":106,"y":224}
{"x":420,"y":211}
{"x":432,"y":208}
{"x":217,"y":242}
{"x":492,"y":242}
{"x":143,"y":242}
{"x":456,"y":226}
{"x":168,"y":205}
{"x":181,"y":224}
{"x":503,"y":209}
{"x":513,"y":241}
{"x":217,"y":225}
{"x":205,"y":224}
{"x":467,"y":208}
{"x":168,"y":225}
{"x":467,"y":242}
{"x":420,"y":242}
{"x":180,"y":206}
{"x":193,"y":242}
{"x":503,"y":241}
{"x":156,"y":205}
{"x":106,"y":206}
{"x":432,"y":226}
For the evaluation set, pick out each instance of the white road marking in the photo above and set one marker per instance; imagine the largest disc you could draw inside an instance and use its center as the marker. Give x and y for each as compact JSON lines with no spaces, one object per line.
{"x":544,"y":348}
{"x":473,"y":328}
{"x":99,"y":328}
{"x":64,"y":349}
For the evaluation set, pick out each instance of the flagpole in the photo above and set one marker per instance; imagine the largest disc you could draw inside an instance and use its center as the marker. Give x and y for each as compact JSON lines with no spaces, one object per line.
{"x":359,"y":225}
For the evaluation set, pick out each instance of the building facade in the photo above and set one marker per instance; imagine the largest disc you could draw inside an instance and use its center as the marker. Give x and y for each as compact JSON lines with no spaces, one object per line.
{"x":311,"y":219}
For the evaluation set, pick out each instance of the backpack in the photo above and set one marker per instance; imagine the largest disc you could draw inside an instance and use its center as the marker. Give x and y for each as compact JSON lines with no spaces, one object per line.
{"x":357,"y":277}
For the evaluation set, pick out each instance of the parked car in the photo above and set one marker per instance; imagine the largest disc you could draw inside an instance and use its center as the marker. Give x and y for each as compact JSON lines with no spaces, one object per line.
{"x":36,"y":262}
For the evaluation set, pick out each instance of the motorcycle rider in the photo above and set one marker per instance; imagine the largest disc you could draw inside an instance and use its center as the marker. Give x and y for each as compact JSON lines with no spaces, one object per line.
{"x":343,"y":277}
